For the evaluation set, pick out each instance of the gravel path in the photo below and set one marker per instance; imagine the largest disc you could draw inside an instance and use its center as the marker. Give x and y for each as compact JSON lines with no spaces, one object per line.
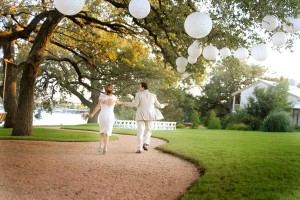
{"x":75,"y":170}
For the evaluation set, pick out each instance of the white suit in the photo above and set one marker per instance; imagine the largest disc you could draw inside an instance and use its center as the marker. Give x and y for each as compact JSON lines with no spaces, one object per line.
{"x":147,"y":104}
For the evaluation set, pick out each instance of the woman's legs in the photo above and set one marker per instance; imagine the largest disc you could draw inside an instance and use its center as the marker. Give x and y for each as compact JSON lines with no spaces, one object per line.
{"x":100,"y":141}
{"x":106,"y":141}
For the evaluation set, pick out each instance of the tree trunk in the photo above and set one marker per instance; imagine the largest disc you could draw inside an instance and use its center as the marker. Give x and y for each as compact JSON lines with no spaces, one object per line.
{"x":23,"y":123}
{"x":94,"y":97}
{"x":10,"y":94}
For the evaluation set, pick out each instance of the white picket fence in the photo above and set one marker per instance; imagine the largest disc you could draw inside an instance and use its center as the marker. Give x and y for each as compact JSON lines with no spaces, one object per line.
{"x":156,"y":125}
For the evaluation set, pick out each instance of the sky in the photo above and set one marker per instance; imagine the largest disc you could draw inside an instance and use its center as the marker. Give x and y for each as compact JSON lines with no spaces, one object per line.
{"x":285,"y":63}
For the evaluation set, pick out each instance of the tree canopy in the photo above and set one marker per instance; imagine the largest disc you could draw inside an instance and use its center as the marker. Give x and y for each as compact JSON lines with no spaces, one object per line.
{"x":45,"y":34}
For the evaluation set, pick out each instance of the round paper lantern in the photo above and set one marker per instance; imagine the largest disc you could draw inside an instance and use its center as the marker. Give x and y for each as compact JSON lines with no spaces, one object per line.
{"x":139,"y":8}
{"x":181,"y":69}
{"x":225,"y":52}
{"x":198,"y":25}
{"x":270,"y":23}
{"x":69,"y":7}
{"x":291,"y":25}
{"x":194,"y":50}
{"x":210,"y":52}
{"x":192,"y":59}
{"x":196,"y":42}
{"x":181,"y":62}
{"x":185,"y":75}
{"x":241,"y":53}
{"x":259,"y":52}
{"x":279,"y":39}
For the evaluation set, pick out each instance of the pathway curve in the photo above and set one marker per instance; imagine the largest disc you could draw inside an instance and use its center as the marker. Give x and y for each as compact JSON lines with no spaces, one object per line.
{"x":75,"y":170}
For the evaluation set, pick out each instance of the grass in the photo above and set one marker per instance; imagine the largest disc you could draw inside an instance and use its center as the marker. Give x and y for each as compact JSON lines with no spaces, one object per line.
{"x":44,"y":134}
{"x":236,"y":164}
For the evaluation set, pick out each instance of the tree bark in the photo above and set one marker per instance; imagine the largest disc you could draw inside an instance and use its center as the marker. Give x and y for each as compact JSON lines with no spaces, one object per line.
{"x":92,"y":106}
{"x":10,"y":93}
{"x":24,"y":119}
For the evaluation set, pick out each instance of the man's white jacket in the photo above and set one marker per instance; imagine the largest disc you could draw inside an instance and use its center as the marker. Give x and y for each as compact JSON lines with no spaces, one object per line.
{"x":147,"y":104}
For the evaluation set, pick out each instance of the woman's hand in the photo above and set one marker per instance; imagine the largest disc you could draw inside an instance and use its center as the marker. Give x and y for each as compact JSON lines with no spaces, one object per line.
{"x":91,"y":115}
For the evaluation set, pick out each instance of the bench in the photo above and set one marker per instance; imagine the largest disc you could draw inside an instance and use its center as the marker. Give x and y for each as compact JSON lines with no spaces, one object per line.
{"x":156,"y":125}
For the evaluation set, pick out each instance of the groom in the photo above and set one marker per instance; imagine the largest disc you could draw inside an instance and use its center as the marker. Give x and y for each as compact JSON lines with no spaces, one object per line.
{"x":147,"y":104}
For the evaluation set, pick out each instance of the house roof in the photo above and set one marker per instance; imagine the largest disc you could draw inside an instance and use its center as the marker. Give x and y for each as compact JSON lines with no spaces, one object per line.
{"x":297,"y":105}
{"x":293,"y":90}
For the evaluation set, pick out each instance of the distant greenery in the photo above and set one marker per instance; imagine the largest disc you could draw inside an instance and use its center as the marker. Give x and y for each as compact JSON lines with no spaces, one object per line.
{"x":278,"y":122}
{"x":266,"y":101}
{"x":263,"y":102}
{"x":213,"y":122}
{"x":196,"y":120}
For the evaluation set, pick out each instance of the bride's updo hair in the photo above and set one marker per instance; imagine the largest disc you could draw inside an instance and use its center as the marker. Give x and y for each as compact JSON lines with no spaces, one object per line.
{"x":109,"y":88}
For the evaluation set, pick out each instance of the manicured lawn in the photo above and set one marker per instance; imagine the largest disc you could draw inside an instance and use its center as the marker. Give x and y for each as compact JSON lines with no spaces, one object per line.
{"x":236,"y":164}
{"x":44,"y":134}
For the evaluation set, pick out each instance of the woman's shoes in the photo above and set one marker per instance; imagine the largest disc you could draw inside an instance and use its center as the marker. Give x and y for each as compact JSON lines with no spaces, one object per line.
{"x":100,"y":150}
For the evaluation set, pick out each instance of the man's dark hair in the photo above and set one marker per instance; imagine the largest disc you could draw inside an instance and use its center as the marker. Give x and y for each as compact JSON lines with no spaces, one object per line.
{"x":144,"y":85}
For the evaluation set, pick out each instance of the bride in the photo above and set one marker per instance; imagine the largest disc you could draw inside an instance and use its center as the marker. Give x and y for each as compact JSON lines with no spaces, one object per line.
{"x":106,"y":116}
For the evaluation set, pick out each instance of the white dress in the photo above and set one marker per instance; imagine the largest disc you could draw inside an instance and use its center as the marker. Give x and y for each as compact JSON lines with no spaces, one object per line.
{"x":106,"y":116}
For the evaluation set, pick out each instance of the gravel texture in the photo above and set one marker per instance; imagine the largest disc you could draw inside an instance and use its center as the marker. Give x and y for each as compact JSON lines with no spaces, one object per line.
{"x":75,"y":170}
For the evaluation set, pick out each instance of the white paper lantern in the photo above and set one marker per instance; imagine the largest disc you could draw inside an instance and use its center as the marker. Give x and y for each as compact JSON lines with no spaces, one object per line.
{"x":241,"y":53}
{"x":194,"y":50}
{"x":139,"y":8}
{"x":181,"y":62}
{"x":292,"y":25}
{"x":198,"y":25}
{"x":259,"y":52}
{"x":279,"y":39}
{"x":196,"y":42}
{"x":181,"y":69}
{"x":210,"y":52}
{"x":69,"y":7}
{"x":185,"y":75}
{"x":192,"y":59}
{"x":225,"y":52}
{"x":270,"y":22}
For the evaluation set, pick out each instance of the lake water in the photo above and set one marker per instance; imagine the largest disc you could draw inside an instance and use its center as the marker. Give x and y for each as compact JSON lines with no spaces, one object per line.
{"x":59,"y":119}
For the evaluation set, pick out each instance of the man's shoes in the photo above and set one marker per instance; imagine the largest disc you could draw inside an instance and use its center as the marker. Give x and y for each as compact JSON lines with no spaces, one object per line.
{"x":104,"y":152}
{"x":99,"y":149}
{"x":138,"y":151}
{"x":145,"y":147}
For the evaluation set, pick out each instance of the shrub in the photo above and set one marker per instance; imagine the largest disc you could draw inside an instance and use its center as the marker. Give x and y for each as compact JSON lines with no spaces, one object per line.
{"x":203,"y":120}
{"x":278,"y":122}
{"x":297,"y":127}
{"x":241,"y":116}
{"x":180,"y":125}
{"x":241,"y":126}
{"x":196,"y":120}
{"x":227,"y":119}
{"x":213,"y":122}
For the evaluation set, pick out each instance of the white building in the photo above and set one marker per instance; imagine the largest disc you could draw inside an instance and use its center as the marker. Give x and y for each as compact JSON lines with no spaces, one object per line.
{"x":240,"y":98}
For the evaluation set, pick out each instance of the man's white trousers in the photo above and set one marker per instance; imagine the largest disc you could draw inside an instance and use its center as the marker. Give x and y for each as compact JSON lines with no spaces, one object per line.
{"x":143,"y":133}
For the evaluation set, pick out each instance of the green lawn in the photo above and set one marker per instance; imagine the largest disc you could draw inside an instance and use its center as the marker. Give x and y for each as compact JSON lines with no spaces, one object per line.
{"x":45,"y":134}
{"x":236,"y":164}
